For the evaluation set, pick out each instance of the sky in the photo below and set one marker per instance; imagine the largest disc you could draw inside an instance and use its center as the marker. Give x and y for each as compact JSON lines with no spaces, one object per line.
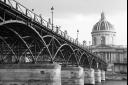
{"x":82,"y":15}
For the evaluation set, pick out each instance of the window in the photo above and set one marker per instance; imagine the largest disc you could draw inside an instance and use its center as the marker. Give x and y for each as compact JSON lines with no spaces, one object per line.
{"x":95,"y":40}
{"x":103,"y":40}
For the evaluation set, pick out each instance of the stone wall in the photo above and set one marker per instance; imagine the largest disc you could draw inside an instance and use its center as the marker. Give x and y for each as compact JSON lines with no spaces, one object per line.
{"x":30,"y":74}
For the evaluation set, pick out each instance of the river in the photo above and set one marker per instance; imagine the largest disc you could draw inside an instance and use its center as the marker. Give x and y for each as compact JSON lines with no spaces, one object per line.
{"x":113,"y":83}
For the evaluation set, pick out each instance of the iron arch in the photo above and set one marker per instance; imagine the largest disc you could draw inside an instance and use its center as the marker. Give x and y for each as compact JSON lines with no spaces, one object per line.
{"x":84,"y":59}
{"x":94,"y":63}
{"x":22,"y":41}
{"x":77,"y":53}
{"x":5,"y":31}
{"x":52,"y":41}
{"x":52,"y":37}
{"x":31,"y":28}
{"x":70,"y":48}
{"x":1,"y":19}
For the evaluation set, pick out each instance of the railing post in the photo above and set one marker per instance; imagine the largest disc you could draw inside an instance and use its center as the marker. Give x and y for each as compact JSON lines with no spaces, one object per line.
{"x":26,"y":12}
{"x":41,"y":20}
{"x":16,"y":6}
{"x":34,"y":17}
{"x":57,"y":29}
{"x":4,"y":1}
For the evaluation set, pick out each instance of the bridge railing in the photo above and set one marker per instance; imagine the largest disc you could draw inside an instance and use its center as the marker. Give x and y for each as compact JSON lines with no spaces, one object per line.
{"x":38,"y":18}
{"x":29,"y":13}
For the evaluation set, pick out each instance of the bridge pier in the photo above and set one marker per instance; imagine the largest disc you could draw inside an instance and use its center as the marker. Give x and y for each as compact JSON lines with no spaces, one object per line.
{"x":102,"y":75}
{"x":89,"y":77}
{"x":97,"y":76}
{"x":30,"y":74}
{"x":71,"y":75}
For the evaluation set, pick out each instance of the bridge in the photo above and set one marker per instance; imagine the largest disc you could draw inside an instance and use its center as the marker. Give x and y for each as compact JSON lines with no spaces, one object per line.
{"x":27,"y":39}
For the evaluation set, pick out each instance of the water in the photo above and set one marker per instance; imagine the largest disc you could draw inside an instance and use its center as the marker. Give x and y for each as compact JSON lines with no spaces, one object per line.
{"x":113,"y":83}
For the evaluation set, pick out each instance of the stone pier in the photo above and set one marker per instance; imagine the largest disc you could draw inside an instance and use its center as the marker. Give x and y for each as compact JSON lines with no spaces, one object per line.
{"x":72,"y":75}
{"x":89,"y":77}
{"x":30,"y":74}
{"x":97,"y":76}
{"x":102,"y":75}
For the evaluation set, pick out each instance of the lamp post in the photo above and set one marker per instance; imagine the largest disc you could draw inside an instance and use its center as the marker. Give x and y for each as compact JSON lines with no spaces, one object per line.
{"x":90,"y":46}
{"x":52,"y":16}
{"x":77,"y":35}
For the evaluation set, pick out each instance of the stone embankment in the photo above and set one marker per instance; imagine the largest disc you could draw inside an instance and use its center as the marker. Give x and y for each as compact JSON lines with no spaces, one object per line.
{"x":116,"y":76}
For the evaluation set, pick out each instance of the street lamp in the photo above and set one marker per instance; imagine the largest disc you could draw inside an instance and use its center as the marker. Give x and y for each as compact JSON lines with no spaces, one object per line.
{"x":52,"y":16}
{"x":77,"y":35}
{"x":90,"y":46}
{"x":32,"y":9}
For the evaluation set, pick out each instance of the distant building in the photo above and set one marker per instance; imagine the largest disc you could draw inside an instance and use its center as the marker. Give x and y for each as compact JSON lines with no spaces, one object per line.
{"x":103,"y":38}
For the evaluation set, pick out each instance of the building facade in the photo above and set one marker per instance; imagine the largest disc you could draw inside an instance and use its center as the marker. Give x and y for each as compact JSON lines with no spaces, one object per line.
{"x":103,"y":39}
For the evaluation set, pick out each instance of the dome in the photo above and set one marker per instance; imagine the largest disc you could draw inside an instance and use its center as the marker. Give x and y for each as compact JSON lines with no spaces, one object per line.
{"x":103,"y":25}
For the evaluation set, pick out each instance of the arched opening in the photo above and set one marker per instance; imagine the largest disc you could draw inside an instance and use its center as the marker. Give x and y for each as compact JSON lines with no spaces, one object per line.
{"x":94,"y":63}
{"x":84,"y":61}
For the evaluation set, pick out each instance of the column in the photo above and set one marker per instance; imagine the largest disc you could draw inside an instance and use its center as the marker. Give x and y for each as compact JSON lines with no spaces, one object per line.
{"x":71,"y":75}
{"x":97,"y":76}
{"x":110,"y":57}
{"x":30,"y":74}
{"x":106,"y":56}
{"x":89,"y":77}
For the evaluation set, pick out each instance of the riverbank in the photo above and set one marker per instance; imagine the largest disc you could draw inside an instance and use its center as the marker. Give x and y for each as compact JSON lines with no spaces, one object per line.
{"x":113,"y":82}
{"x":116,"y":76}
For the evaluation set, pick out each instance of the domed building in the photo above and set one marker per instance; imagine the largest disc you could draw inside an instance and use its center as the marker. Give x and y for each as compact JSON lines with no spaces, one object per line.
{"x":103,"y":32}
{"x":103,"y":38}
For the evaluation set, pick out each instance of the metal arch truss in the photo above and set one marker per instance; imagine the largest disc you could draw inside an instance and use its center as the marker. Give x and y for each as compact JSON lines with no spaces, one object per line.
{"x":35,"y":48}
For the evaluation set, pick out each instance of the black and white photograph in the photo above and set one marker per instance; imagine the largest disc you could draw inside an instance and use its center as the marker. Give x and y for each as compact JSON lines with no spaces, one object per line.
{"x":63,"y":42}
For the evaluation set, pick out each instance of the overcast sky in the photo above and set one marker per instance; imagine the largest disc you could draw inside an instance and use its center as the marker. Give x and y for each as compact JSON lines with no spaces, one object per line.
{"x":83,"y":14}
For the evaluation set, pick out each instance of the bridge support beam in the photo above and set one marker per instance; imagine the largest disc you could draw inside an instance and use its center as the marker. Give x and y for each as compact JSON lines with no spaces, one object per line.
{"x":102,"y":75}
{"x":30,"y":74}
{"x":97,"y":76}
{"x":72,"y":75}
{"x":89,"y":77}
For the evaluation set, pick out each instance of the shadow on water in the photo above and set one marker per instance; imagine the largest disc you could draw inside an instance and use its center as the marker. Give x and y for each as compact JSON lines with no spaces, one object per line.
{"x":112,"y":83}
